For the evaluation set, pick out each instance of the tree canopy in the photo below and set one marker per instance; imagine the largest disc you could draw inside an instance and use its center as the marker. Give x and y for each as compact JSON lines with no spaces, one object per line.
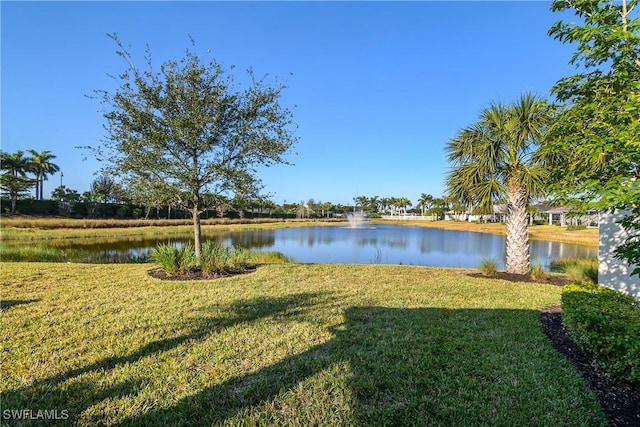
{"x":190,"y":129}
{"x":593,"y":147}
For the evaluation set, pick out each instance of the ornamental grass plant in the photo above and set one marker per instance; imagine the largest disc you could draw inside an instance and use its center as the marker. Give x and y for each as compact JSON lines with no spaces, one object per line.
{"x":214,"y":258}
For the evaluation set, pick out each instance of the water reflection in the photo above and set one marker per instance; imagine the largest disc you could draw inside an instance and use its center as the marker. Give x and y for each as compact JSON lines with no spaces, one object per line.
{"x":384,"y":244}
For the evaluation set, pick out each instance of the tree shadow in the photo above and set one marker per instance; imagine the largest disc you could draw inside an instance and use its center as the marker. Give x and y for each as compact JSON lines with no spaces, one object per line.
{"x":422,"y":366}
{"x":8,"y":303}
{"x":79,"y":394}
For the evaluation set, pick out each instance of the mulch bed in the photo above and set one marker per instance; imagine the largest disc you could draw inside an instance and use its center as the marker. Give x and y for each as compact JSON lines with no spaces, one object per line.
{"x":620,"y":401}
{"x":503,"y":275}
{"x":158,"y":273}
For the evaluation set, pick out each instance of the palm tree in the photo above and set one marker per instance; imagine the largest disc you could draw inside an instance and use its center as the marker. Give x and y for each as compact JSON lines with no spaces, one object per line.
{"x":493,"y":162}
{"x":41,"y":165}
{"x":14,"y":181}
{"x":403,"y":202}
{"x":425,"y":202}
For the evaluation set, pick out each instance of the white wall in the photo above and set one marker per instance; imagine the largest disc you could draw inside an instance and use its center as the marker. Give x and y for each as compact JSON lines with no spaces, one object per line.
{"x":612,"y":272}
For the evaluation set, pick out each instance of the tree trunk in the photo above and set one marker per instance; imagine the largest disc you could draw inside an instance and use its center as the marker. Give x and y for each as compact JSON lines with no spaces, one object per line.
{"x":197,"y":232}
{"x":37,"y":187}
{"x":517,"y":234}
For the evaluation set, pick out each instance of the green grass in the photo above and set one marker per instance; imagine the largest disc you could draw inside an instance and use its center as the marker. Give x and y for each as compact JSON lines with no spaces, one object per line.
{"x":289,"y":344}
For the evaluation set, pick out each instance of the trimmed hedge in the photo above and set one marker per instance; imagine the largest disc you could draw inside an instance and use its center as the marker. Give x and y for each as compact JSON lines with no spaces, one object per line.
{"x":606,"y":323}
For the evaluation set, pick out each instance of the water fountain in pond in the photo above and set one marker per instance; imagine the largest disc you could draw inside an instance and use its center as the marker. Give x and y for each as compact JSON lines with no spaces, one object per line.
{"x":356,"y":219}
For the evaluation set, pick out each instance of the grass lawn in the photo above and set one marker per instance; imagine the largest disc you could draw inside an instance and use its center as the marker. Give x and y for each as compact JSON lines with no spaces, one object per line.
{"x":289,"y":344}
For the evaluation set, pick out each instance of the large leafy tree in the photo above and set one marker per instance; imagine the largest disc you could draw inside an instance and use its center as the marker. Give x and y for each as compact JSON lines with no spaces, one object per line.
{"x":192,"y":128}
{"x":594,"y":145}
{"x":42,"y":166}
{"x":493,"y":162}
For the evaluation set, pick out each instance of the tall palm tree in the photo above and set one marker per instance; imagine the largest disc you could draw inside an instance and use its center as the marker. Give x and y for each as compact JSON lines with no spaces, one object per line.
{"x":42,"y":166}
{"x":493,"y":162}
{"x":403,"y":202}
{"x":17,"y":164}
{"x":425,"y":202}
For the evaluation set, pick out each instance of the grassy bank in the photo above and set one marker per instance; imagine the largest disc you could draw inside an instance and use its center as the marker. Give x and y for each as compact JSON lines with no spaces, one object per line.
{"x":29,"y":229}
{"x":288,"y":344}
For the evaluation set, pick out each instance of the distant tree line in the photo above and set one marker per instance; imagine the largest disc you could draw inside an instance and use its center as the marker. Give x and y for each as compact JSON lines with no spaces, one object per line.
{"x":21,"y":172}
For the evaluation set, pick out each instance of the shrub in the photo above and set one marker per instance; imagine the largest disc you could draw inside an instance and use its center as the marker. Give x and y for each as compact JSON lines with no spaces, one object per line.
{"x":538,"y":273}
{"x":166,"y":255}
{"x":187,"y":260}
{"x":238,"y":257}
{"x":577,"y":269}
{"x":214,"y":257}
{"x":489,"y":267}
{"x":606,"y":323}
{"x":175,"y":260}
{"x":576,"y":227}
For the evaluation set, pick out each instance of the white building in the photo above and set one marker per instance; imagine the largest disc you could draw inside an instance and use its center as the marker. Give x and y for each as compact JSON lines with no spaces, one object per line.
{"x":613,"y":272}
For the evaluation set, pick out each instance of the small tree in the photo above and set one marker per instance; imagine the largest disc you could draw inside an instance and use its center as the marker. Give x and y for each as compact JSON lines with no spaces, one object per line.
{"x":105,"y":189}
{"x":66,"y":198}
{"x":190,"y":127}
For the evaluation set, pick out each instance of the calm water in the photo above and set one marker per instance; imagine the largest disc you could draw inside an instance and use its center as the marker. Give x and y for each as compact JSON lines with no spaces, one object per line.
{"x":382,"y":244}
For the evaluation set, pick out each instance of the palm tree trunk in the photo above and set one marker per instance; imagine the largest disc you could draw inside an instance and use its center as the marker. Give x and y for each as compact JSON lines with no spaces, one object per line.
{"x":517,"y":234}
{"x":38,"y":190}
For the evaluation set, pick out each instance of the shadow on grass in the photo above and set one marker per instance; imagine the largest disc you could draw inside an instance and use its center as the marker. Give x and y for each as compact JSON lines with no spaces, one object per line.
{"x":8,"y":303}
{"x":56,"y":392}
{"x":422,"y":366}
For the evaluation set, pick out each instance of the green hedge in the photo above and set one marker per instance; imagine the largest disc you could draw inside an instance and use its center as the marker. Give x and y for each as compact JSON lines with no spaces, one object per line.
{"x":607,"y":323}
{"x":35,"y":207}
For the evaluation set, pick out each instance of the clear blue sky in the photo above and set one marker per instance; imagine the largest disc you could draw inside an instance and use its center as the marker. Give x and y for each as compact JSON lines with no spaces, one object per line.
{"x":378,"y":87}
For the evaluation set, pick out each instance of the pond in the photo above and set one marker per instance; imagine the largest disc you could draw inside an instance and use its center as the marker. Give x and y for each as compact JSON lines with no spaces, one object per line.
{"x":379,"y":244}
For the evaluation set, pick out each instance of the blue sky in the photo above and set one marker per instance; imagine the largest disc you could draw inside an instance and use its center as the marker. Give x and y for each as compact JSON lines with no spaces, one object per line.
{"x":376,"y":88}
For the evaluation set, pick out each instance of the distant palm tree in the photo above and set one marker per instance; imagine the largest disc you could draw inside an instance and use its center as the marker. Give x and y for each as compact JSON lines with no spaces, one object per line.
{"x":42,"y":166}
{"x":403,"y":202}
{"x":425,"y":202}
{"x":384,"y":203}
{"x":14,"y":181}
{"x":17,"y":164}
{"x":493,"y":161}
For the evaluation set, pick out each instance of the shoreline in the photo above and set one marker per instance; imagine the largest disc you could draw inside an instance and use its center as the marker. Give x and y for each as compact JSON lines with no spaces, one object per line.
{"x":34,"y":228}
